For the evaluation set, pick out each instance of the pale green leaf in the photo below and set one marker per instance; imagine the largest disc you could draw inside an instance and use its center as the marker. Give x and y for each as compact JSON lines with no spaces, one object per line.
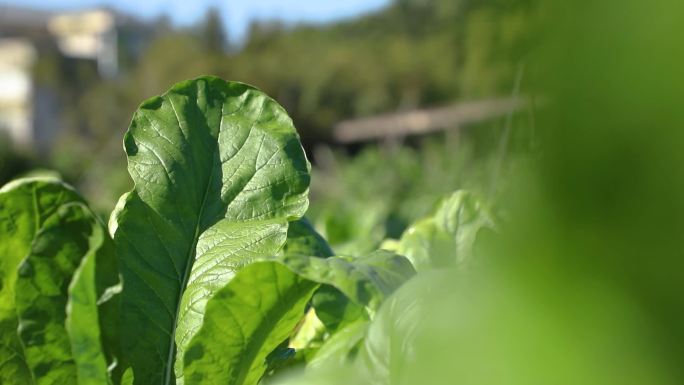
{"x":127,"y":378}
{"x":244,"y":322}
{"x":447,"y":236}
{"x":24,"y":207}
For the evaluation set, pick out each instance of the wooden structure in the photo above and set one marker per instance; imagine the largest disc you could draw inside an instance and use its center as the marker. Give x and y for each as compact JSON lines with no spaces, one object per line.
{"x":397,"y":125}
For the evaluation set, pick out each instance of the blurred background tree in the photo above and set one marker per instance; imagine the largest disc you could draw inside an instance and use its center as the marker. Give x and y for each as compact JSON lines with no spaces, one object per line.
{"x":410,"y":54}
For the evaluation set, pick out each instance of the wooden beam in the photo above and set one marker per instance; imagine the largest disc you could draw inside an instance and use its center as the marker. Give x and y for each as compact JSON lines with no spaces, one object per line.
{"x":423,"y":121}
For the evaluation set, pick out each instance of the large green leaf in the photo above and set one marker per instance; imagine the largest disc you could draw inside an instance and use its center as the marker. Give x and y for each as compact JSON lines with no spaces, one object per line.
{"x":57,"y":292}
{"x":25,"y":205}
{"x":254,"y":313}
{"x":244,"y":322}
{"x":448,"y":235}
{"x":218,"y":171}
{"x":365,"y":280}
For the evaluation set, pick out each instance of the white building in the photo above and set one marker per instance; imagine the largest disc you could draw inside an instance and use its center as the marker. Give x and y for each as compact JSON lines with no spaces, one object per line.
{"x":28,"y":114}
{"x":16,"y":90}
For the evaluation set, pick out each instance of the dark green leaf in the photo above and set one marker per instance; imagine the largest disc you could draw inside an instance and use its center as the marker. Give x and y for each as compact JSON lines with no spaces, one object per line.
{"x":302,"y":239}
{"x":57,"y":295}
{"x":94,"y":294}
{"x":335,"y":310}
{"x":280,"y":357}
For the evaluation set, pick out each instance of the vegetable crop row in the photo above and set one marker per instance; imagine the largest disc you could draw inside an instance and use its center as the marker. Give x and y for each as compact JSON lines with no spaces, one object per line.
{"x":208,"y":272}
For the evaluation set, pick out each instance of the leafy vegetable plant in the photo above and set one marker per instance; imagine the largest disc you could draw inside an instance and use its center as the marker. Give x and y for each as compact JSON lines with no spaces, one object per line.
{"x":209,"y":273}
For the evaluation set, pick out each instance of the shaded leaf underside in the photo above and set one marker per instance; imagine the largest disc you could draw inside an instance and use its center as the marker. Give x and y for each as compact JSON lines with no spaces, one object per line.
{"x":57,"y":295}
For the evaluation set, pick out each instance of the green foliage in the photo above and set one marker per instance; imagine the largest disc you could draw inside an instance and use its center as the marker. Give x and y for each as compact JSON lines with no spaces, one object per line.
{"x":218,"y":265}
{"x":231,"y":157}
{"x":335,"y":310}
{"x":64,"y":270}
{"x":246,"y":320}
{"x":581,"y":285}
{"x":365,"y":280}
{"x":446,"y":238}
{"x":59,"y":277}
{"x":303,"y":239}
{"x":404,"y":190}
{"x":339,"y":349}
{"x":213,"y":32}
{"x":411,"y":54}
{"x":24,"y":207}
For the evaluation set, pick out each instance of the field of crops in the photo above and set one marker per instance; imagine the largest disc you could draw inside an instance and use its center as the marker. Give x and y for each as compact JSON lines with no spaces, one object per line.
{"x":554,"y":258}
{"x":209,"y":271}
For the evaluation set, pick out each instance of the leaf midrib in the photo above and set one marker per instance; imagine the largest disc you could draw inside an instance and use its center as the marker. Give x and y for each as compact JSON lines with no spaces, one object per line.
{"x":189,"y":259}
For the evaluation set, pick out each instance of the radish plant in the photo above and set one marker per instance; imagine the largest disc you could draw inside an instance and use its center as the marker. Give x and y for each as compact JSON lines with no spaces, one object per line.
{"x":208,"y":271}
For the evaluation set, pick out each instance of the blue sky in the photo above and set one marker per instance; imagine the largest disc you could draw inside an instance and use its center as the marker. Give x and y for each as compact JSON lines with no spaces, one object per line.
{"x":236,"y":13}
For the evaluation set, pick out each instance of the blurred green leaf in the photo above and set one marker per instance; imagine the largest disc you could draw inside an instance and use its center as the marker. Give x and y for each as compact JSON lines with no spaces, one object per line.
{"x":389,"y":343}
{"x":447,"y":237}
